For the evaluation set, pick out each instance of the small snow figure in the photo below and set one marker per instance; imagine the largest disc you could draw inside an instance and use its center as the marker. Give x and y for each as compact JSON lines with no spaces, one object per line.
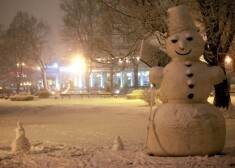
{"x":20,"y":143}
{"x":187,"y":124}
{"x":117,"y":144}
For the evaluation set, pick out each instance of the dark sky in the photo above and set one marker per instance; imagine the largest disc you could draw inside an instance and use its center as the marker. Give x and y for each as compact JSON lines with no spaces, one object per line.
{"x":47,"y":10}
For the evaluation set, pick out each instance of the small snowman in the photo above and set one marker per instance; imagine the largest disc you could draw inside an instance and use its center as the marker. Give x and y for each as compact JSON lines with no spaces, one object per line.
{"x":187,"y":124}
{"x":117,"y":144}
{"x":20,"y":143}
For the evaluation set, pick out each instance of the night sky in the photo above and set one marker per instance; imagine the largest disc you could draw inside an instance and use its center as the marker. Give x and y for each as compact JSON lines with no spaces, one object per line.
{"x":47,"y":10}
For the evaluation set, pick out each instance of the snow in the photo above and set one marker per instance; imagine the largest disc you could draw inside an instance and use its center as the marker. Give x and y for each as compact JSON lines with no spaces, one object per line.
{"x":80,"y":133}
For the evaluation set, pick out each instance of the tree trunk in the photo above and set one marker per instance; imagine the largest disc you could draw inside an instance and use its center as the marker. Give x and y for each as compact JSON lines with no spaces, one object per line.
{"x":136,"y":81}
{"x":87,"y":80}
{"x":44,"y":78}
{"x":17,"y":87}
{"x":222,"y":95}
{"x":18,"y":77}
{"x":213,"y":48}
{"x":111,"y":78}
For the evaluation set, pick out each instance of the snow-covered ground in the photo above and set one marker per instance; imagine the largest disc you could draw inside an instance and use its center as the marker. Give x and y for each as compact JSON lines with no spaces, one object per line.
{"x":80,"y":133}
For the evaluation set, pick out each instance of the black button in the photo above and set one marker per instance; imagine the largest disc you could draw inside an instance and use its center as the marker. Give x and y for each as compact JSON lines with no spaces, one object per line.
{"x":190,"y":96}
{"x":188,"y":63}
{"x":191,"y":86}
{"x":190,"y":75}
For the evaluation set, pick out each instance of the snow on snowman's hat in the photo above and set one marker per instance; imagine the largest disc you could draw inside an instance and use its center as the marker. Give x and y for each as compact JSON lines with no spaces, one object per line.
{"x":179,"y":19}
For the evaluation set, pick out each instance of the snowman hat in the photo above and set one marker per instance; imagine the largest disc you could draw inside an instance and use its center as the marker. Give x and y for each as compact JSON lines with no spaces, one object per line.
{"x":179,"y":19}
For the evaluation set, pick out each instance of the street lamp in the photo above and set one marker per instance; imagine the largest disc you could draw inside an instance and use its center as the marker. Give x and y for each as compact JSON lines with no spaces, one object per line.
{"x":78,"y":64}
{"x":20,"y":64}
{"x":228,"y":64}
{"x":228,"y":60}
{"x":78,"y":68}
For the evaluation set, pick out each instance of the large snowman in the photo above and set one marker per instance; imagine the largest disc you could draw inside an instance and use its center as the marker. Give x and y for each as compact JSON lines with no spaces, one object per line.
{"x":187,"y":124}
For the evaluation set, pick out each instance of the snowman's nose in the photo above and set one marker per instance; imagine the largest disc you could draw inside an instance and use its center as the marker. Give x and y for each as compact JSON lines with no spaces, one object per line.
{"x":181,"y":45}
{"x":181,"y":48}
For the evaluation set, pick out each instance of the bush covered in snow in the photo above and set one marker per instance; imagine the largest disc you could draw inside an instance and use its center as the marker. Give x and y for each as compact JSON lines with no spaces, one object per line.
{"x":22,"y":97}
{"x":153,"y":96}
{"x":135,"y":94}
{"x":43,"y":94}
{"x":148,"y":96}
{"x":159,"y":98}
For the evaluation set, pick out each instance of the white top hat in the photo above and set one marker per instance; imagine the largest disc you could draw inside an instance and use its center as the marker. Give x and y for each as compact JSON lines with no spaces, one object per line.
{"x":179,"y":19}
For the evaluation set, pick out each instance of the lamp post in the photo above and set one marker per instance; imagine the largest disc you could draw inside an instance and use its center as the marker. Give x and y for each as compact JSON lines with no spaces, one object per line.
{"x":228,"y":64}
{"x":228,"y":67}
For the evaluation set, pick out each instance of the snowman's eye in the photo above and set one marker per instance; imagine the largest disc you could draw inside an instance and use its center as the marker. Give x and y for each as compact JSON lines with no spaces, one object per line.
{"x":174,"y":41}
{"x":189,"y":38}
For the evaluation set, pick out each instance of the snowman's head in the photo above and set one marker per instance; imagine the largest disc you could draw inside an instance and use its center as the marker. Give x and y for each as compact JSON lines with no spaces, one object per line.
{"x":184,"y":41}
{"x":185,"y":45}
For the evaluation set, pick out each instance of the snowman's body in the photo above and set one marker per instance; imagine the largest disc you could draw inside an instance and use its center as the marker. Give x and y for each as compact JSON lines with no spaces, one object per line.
{"x":186,"y":129}
{"x":188,"y":81}
{"x":187,"y":124}
{"x":20,"y":143}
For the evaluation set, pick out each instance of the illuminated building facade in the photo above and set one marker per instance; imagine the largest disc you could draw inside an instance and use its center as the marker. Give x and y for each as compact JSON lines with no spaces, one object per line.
{"x":62,"y":77}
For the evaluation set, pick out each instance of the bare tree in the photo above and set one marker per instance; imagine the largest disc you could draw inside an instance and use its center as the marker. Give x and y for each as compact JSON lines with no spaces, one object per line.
{"x":219,"y":22}
{"x":119,"y":41}
{"x":103,"y":36}
{"x":16,"y":47}
{"x":143,"y":17}
{"x":5,"y":65}
{"x":23,"y":43}
{"x":133,"y":22}
{"x":81,"y":22}
{"x":39,"y":51}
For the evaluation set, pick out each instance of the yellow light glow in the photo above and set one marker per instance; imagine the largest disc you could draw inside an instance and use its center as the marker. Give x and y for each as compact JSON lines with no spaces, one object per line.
{"x":228,"y":60}
{"x":78,"y":63}
{"x":18,"y":64}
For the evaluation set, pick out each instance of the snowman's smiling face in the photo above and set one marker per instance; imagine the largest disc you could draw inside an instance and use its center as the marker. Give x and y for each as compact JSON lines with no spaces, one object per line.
{"x":184,"y":53}
{"x":186,"y":45}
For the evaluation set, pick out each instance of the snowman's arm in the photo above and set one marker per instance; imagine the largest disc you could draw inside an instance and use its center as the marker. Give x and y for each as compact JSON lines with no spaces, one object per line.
{"x":156,"y":75}
{"x":217,"y":75}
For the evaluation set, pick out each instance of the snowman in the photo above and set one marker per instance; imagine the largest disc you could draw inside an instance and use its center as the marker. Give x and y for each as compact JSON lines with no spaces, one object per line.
{"x":20,"y":143}
{"x":187,"y":124}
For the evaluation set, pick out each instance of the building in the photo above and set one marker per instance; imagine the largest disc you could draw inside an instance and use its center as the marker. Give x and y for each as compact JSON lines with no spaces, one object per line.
{"x":60,"y":77}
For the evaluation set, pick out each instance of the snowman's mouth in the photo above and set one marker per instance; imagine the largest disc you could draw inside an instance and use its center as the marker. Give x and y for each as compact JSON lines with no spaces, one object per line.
{"x":183,"y":53}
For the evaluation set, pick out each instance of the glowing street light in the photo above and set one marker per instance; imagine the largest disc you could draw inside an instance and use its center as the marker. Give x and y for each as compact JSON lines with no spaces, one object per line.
{"x":228,"y":64}
{"x":55,"y":65}
{"x":22,"y":64}
{"x":78,"y":67}
{"x":228,"y":60}
{"x":78,"y":63}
